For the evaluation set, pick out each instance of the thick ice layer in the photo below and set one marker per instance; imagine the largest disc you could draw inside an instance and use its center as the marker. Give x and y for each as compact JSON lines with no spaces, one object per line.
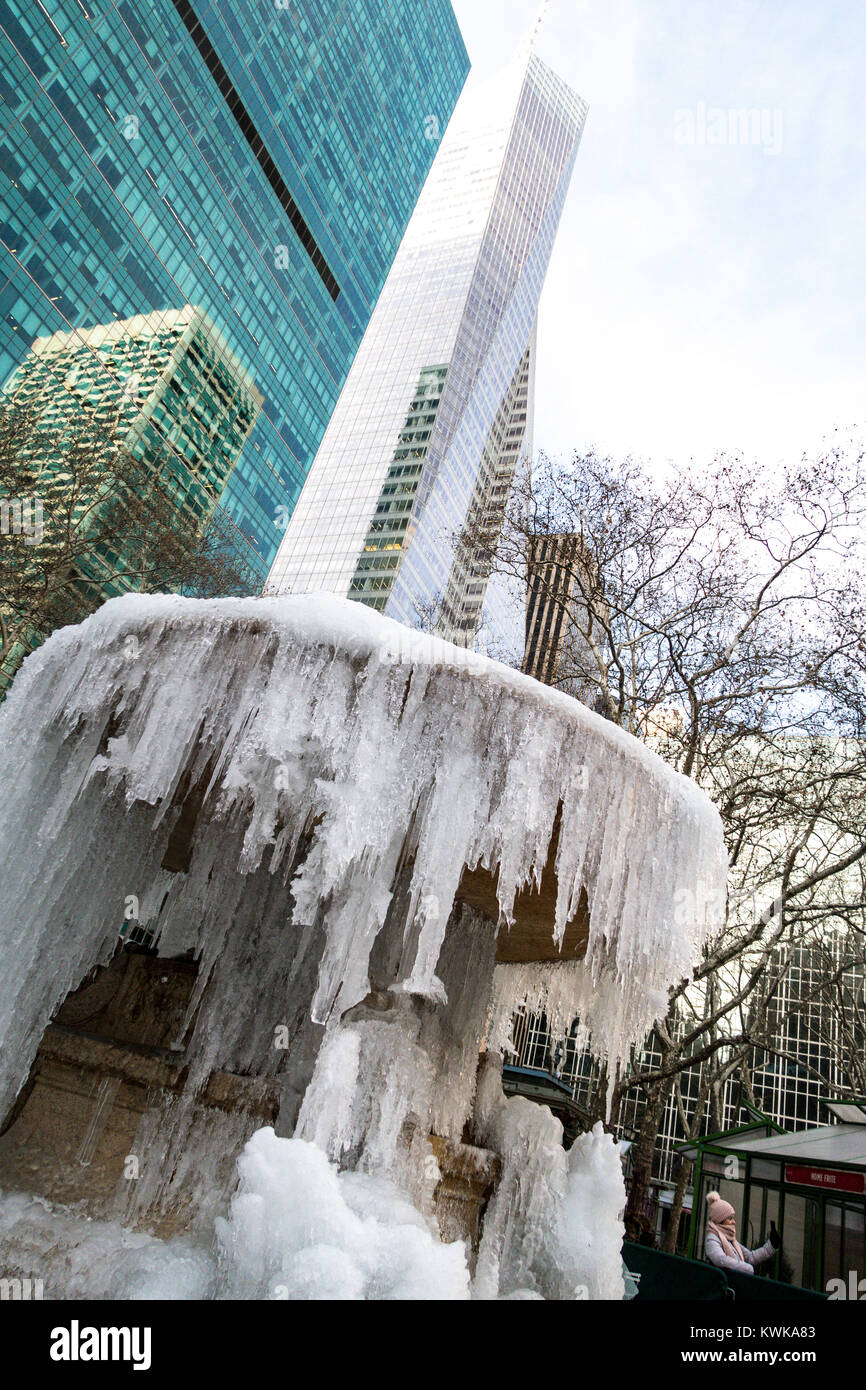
{"x":75,"y":1258}
{"x":298,"y":1228}
{"x":289,"y":791}
{"x":321,"y":736}
{"x":553,"y":1227}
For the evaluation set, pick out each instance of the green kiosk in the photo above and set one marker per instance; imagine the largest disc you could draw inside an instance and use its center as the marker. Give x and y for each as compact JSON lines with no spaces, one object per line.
{"x":811,"y":1183}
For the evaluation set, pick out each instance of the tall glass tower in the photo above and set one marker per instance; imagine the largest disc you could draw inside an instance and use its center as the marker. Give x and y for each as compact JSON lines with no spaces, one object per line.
{"x":438,"y":405}
{"x":257,"y":161}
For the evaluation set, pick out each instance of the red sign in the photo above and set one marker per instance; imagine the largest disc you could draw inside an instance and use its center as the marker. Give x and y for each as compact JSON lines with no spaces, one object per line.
{"x":831,"y":1179}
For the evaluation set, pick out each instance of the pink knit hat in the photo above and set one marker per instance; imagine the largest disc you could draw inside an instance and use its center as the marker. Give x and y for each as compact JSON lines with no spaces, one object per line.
{"x":719,"y":1210}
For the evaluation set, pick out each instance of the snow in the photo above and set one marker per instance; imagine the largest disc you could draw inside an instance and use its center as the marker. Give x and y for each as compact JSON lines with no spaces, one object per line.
{"x":347,"y":770}
{"x":296,"y":1228}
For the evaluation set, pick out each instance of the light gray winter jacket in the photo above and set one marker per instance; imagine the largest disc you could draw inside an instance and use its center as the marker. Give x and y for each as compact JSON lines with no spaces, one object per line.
{"x":716,"y":1255}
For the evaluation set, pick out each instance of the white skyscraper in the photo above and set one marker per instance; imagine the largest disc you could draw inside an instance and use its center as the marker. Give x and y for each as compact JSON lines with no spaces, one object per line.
{"x":438,"y":404}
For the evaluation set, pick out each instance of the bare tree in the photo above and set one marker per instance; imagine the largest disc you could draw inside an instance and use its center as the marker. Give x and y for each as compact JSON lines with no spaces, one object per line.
{"x":722,"y":619}
{"x":708,"y":601}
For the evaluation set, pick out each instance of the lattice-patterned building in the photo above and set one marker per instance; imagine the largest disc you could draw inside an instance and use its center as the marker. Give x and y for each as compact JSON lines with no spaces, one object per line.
{"x":818,"y":1027}
{"x":165,"y":386}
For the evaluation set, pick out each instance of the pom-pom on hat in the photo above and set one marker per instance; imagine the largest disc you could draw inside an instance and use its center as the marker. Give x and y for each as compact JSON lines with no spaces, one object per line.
{"x":719,"y":1210}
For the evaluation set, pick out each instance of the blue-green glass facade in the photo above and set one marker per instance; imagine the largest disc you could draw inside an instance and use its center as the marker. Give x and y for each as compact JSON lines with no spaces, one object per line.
{"x":258,"y":159}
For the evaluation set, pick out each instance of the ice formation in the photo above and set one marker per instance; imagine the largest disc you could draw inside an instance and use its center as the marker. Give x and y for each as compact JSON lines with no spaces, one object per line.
{"x":553,"y":1227}
{"x":288,"y":791}
{"x":76,"y":1258}
{"x":299,"y":1228}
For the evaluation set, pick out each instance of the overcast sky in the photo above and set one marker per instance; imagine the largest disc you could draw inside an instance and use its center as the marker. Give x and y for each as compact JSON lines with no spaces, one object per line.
{"x":701,"y":296}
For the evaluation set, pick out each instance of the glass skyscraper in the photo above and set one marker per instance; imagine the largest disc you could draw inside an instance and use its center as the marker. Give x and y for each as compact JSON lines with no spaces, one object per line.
{"x":256,"y":163}
{"x":438,"y":405}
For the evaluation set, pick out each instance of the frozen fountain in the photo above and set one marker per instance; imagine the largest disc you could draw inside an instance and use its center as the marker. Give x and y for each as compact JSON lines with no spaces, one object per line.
{"x":277,"y":874}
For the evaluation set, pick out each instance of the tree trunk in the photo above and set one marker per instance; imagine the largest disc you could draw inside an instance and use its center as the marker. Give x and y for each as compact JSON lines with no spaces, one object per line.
{"x":643,"y":1152}
{"x":683,"y":1178}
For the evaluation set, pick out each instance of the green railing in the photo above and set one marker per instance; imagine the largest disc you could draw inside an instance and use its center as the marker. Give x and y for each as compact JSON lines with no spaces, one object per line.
{"x":668,"y":1277}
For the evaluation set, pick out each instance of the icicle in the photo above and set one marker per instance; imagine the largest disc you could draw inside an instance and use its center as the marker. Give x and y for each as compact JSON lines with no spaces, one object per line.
{"x":338,"y":777}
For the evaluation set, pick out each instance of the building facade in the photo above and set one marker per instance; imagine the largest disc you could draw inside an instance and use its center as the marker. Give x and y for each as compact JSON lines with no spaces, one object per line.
{"x":564,"y":642}
{"x":818,"y":1017}
{"x":165,"y":387}
{"x":166,"y":397}
{"x":817,"y":1022}
{"x":260,"y":162}
{"x":438,"y":405}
